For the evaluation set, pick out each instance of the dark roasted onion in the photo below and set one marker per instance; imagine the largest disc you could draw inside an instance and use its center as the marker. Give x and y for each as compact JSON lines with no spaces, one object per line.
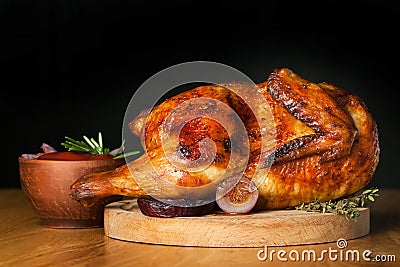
{"x":156,"y":208}
{"x":236,"y":196}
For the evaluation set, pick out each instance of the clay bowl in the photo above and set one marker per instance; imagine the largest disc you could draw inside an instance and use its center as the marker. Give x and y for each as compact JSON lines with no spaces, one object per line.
{"x":46,"y":185}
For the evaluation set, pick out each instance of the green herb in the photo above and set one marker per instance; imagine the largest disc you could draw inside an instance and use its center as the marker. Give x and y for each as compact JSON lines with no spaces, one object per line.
{"x":345,"y":206}
{"x":90,"y":145}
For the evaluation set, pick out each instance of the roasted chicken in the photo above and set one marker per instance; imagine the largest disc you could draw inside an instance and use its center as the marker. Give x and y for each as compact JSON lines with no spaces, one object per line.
{"x":325,"y":144}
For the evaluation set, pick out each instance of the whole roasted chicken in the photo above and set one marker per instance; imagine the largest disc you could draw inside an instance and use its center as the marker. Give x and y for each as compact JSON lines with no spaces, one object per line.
{"x":325,"y":144}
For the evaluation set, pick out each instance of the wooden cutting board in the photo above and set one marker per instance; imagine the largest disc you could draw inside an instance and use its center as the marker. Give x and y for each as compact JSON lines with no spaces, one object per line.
{"x":271,"y":228}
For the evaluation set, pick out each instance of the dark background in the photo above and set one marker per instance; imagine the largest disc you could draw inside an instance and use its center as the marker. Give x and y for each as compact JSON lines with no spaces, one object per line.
{"x":71,"y":67}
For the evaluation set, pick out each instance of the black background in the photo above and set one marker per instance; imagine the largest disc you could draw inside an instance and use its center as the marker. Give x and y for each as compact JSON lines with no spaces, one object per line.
{"x":71,"y":67}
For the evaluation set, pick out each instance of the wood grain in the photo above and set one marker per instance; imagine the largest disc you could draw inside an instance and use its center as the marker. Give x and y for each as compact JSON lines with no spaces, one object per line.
{"x":272,"y":228}
{"x":25,"y":242}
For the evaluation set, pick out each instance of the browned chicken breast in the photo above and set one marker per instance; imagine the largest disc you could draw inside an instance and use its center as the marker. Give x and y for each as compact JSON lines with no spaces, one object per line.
{"x":325,"y":144}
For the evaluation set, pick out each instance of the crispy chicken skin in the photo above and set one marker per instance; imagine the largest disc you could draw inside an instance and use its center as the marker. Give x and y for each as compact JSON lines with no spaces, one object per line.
{"x":326,"y":144}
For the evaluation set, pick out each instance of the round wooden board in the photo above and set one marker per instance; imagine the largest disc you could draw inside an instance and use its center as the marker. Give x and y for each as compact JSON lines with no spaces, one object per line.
{"x":271,"y":228}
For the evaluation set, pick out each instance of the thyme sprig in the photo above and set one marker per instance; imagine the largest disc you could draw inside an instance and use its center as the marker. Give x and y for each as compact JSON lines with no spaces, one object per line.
{"x":345,"y":206}
{"x":96,"y":147}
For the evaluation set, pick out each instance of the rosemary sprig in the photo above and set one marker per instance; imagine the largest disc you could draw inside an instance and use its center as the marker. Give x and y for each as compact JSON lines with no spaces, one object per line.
{"x":124,"y":155}
{"x":345,"y":206}
{"x":90,"y":145}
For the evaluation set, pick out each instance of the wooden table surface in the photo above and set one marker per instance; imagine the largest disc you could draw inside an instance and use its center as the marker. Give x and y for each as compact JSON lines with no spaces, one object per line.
{"x":25,"y":242}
